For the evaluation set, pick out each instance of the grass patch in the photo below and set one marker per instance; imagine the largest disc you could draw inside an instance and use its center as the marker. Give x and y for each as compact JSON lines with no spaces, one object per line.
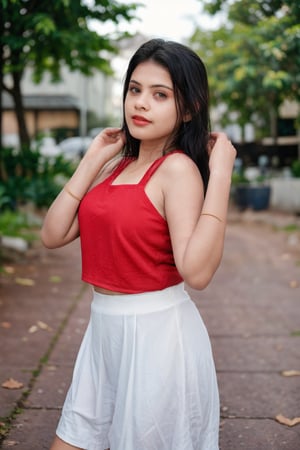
{"x":6,"y":422}
{"x":292,"y":227}
{"x":295,"y":333}
{"x":16,"y":224}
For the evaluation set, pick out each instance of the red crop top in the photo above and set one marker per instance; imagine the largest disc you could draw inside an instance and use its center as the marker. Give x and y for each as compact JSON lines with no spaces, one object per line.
{"x":125,"y":242}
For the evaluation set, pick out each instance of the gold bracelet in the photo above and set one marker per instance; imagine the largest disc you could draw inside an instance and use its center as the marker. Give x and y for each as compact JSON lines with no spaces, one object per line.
{"x":71,"y":194}
{"x":211,"y":215}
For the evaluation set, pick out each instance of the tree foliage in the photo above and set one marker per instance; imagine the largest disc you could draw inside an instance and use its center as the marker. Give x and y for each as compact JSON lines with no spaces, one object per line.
{"x":254,"y":59}
{"x":45,"y":35}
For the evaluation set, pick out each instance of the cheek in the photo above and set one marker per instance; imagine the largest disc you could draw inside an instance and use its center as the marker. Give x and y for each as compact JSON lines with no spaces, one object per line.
{"x":174,"y":119}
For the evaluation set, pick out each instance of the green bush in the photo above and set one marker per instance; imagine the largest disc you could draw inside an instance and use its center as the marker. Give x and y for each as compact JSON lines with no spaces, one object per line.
{"x":239,"y":178}
{"x":30,"y":177}
{"x":295,"y":167}
{"x":16,"y":224}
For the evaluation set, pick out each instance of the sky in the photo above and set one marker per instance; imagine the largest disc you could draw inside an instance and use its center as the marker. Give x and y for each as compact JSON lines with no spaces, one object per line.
{"x":169,"y":19}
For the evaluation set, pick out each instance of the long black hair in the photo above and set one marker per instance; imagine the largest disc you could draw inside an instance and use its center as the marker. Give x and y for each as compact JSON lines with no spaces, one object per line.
{"x":189,"y":78}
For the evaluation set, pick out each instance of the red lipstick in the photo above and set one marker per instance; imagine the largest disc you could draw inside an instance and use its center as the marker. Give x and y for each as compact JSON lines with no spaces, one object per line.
{"x":140,"y":120}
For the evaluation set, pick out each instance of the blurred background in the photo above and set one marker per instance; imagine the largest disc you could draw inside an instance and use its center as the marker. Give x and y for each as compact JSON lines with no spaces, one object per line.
{"x":62,"y":66}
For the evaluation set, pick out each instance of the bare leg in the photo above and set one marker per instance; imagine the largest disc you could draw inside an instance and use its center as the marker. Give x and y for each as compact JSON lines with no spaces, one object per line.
{"x":58,"y":444}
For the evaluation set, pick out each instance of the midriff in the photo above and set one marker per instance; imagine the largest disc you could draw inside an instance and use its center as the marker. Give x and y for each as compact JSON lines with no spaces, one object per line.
{"x":106,"y":291}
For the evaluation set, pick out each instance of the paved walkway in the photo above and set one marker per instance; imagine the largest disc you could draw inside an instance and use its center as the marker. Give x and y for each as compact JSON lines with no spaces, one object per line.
{"x":251,"y":309}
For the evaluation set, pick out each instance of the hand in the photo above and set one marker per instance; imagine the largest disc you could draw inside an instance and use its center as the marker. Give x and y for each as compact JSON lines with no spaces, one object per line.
{"x":107,"y":144}
{"x":222,"y":153}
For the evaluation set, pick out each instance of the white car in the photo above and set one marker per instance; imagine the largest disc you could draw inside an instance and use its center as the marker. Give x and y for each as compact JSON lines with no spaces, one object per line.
{"x":74,"y":148}
{"x":47,"y":146}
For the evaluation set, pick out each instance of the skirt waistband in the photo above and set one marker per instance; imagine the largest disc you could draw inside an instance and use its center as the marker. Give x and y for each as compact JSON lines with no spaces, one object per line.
{"x":143,"y":303}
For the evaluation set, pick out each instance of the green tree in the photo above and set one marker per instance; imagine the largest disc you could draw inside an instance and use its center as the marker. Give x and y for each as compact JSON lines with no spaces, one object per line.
{"x":253,"y":60}
{"x":45,"y":35}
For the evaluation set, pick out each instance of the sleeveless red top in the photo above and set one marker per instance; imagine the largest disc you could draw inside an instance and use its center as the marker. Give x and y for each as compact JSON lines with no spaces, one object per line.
{"x":125,"y":242}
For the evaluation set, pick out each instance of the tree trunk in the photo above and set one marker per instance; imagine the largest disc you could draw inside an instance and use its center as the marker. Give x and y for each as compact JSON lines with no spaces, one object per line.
{"x":3,"y":173}
{"x":20,"y":112}
{"x":273,"y":123}
{"x":298,"y":134}
{"x":1,"y":72}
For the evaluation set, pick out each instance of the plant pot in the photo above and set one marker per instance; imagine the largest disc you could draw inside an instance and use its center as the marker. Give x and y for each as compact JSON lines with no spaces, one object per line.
{"x":241,"y":196}
{"x":259,"y":197}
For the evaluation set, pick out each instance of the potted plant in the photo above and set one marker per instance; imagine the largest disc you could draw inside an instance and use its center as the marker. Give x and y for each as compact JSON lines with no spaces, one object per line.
{"x":240,"y":185}
{"x":254,"y":194}
{"x":259,"y":193}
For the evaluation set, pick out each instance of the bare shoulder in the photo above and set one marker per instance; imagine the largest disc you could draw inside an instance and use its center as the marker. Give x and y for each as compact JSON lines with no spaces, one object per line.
{"x":179,"y":166}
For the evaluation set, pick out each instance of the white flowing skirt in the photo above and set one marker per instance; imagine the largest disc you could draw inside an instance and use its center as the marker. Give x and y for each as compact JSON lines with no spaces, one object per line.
{"x":144,"y":378}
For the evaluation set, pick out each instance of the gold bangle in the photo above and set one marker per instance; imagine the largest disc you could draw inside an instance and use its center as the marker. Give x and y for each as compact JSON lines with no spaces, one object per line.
{"x":71,"y":194}
{"x":211,"y":215}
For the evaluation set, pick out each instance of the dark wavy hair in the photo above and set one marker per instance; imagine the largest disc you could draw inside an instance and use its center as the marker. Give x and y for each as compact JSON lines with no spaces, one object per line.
{"x":189,"y":78}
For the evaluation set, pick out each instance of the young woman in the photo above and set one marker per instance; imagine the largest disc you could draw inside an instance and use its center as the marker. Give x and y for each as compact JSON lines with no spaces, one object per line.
{"x":149,"y":202}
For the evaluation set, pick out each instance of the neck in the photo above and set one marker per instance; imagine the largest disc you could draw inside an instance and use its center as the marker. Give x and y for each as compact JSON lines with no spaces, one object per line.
{"x":147,"y":155}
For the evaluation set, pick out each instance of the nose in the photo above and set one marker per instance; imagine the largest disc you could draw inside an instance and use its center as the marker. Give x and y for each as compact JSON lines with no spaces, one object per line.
{"x":141,"y":103}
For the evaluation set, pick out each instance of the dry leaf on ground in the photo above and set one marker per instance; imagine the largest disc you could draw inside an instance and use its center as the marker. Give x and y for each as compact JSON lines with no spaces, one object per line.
{"x":43,"y":325}
{"x":40,"y":325}
{"x":12,"y":384}
{"x":5,"y":325}
{"x":25,"y":281}
{"x":286,"y":421}
{"x":9,"y":269}
{"x":55,"y":279}
{"x":290,"y":373}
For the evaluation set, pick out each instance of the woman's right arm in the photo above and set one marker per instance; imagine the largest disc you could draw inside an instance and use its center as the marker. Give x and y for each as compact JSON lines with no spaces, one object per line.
{"x":61,"y":225}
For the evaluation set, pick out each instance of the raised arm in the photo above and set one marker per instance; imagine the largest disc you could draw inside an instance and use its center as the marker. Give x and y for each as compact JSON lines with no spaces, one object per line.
{"x":60,"y":225}
{"x":197,"y":224}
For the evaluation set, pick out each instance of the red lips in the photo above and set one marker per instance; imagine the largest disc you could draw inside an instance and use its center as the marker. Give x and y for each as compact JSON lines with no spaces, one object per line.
{"x":140,"y":120}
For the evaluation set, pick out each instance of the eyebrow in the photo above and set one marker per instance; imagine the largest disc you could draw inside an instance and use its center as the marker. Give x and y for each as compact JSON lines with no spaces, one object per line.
{"x":153,"y":85}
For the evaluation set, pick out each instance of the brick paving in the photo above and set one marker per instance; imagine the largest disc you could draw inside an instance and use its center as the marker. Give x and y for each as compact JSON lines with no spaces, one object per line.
{"x":251,"y":309}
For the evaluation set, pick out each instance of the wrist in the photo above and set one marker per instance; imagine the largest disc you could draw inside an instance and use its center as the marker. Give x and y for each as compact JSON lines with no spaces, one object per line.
{"x":221,"y":176}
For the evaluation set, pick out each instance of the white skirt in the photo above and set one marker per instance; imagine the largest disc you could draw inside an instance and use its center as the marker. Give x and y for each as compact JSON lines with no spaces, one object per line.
{"x":144,"y":378}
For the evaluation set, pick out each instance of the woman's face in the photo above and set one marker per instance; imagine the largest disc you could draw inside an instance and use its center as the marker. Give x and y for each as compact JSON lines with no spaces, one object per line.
{"x":150,"y":107}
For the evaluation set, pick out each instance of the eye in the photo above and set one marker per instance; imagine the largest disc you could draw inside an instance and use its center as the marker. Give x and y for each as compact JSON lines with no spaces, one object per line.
{"x":133,"y":89}
{"x":160,"y":95}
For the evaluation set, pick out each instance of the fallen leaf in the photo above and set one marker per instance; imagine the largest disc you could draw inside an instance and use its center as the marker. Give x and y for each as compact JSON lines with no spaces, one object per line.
{"x":290,"y":373}
{"x":294,"y":284}
{"x":295,"y":333}
{"x":286,"y":421}
{"x":55,"y":279}
{"x":11,"y":443}
{"x":12,"y":384}
{"x":5,"y":324}
{"x":39,"y":325}
{"x":25,"y":281}
{"x":43,"y":325}
{"x":9,"y":269}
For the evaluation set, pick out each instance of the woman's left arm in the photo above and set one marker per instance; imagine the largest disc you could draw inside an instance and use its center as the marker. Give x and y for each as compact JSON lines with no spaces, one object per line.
{"x":197,"y":224}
